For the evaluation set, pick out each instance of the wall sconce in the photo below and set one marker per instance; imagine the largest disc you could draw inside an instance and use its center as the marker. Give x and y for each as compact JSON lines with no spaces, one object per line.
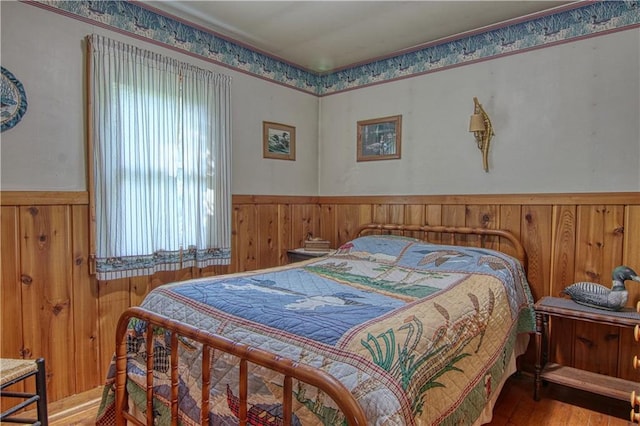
{"x":482,"y":129}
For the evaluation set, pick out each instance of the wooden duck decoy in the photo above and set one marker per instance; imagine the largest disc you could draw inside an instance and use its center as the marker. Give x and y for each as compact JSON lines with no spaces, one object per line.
{"x":599,"y":296}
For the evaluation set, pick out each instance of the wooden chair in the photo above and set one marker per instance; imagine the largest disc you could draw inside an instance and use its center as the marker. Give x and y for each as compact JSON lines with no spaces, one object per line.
{"x":14,"y":371}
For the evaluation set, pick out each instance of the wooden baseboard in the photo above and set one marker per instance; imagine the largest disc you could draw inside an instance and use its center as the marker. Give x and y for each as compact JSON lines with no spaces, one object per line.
{"x":64,"y":410}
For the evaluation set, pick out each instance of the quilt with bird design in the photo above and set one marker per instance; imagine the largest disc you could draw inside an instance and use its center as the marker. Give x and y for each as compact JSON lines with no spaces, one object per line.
{"x":421,"y":334}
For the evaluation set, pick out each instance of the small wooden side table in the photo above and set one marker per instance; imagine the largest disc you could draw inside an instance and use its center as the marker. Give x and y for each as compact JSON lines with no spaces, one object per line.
{"x":300,"y":254}
{"x":612,"y":387}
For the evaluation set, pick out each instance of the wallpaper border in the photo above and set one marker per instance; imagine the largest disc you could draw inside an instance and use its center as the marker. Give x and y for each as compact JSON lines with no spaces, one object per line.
{"x":133,"y":19}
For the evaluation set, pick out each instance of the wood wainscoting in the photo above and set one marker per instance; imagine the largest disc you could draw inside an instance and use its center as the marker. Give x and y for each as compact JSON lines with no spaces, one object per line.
{"x":52,"y":307}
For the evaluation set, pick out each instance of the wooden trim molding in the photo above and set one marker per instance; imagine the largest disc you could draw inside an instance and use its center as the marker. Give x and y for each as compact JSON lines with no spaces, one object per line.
{"x":17,"y":198}
{"x":274,"y":199}
{"x":41,"y":198}
{"x":609,"y":198}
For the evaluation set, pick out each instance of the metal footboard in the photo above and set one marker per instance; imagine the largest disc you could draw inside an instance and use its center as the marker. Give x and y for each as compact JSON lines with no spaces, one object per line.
{"x":288,"y":368}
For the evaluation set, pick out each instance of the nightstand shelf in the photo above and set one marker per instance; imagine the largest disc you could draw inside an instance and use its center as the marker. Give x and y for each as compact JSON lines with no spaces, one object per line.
{"x":300,"y":254}
{"x":612,"y":387}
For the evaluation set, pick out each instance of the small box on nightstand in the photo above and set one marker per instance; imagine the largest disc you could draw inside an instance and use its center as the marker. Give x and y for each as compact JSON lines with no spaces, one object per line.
{"x":316,"y":244}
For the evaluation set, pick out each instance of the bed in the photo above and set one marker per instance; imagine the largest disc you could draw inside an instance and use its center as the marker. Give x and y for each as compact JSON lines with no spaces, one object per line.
{"x":387,"y":330}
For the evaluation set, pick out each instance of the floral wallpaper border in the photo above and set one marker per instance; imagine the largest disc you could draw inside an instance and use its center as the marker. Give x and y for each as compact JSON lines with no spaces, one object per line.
{"x":133,"y":18}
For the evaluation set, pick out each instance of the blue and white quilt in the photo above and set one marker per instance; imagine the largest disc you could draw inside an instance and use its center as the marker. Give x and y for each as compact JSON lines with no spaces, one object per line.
{"x":421,"y":334}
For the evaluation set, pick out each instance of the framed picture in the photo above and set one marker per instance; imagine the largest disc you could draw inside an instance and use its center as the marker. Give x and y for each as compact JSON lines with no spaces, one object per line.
{"x":279,"y":141}
{"x":379,"y":138}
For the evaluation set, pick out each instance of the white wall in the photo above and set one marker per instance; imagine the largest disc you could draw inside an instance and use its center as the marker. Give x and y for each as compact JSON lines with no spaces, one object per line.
{"x":46,"y":150}
{"x":566,"y":119}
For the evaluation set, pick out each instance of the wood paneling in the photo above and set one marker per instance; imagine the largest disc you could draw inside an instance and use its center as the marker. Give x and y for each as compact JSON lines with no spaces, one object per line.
{"x":245,"y":237}
{"x":11,"y":341}
{"x":510,"y":221}
{"x":11,"y":294}
{"x":305,"y":220}
{"x":268,"y":242}
{"x":563,"y":250}
{"x":47,"y":308}
{"x":57,"y":310}
{"x":85,"y":303}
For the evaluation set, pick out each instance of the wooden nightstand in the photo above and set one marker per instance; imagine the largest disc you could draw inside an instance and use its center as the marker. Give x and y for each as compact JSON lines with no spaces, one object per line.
{"x":612,"y":387}
{"x":300,"y":254}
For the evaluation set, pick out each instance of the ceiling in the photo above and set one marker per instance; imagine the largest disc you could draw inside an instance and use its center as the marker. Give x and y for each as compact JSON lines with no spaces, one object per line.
{"x":322,"y":36}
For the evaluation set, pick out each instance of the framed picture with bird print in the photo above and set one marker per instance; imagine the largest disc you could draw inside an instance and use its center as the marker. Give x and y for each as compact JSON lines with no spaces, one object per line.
{"x":278,"y":141}
{"x":379,"y":138}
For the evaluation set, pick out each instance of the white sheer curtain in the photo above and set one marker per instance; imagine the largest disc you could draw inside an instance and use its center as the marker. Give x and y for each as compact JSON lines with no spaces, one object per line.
{"x":161,"y":145}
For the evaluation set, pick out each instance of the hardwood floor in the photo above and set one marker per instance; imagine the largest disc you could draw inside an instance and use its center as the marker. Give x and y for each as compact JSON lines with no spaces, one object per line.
{"x":77,"y":410}
{"x":558,"y":405}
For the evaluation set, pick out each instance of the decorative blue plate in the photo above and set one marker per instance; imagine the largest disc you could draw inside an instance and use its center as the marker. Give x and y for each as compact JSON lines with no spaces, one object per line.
{"x":14,"y":100}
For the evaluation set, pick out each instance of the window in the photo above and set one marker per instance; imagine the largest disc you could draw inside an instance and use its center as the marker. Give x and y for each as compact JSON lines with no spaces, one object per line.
{"x":161,"y":162}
